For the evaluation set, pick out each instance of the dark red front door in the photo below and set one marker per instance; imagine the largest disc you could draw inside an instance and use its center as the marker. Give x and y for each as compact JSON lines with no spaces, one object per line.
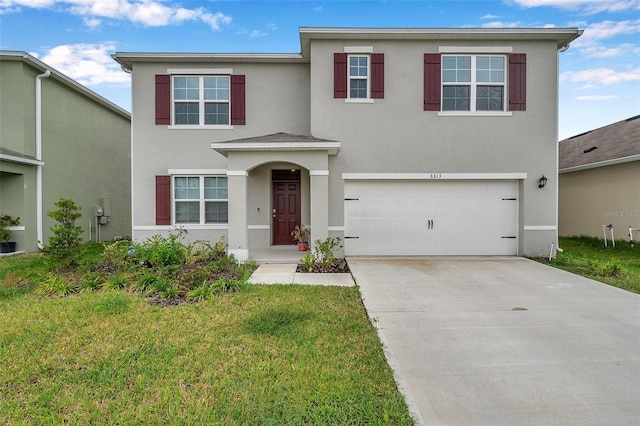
{"x":286,"y":211}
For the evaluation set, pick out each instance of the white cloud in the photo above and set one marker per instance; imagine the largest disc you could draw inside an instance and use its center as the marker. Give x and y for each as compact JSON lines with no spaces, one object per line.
{"x":597,"y":98}
{"x":151,"y":13}
{"x":499,"y":24}
{"x":597,"y":77}
{"x":489,"y":16}
{"x":88,"y":64}
{"x":597,"y":50}
{"x":257,"y":33}
{"x":588,"y":6}
{"x":590,"y":43}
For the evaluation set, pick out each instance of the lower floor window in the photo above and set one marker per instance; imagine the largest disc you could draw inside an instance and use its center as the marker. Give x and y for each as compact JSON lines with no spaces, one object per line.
{"x":201,"y":199}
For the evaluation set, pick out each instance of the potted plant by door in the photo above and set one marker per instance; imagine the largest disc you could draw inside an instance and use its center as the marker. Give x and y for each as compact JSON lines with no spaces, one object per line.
{"x":6,"y":221}
{"x":299,"y":234}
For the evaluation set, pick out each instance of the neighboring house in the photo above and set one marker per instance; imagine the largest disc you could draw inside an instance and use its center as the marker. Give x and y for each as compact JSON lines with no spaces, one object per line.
{"x":58,"y":138}
{"x":600,"y":181}
{"x":400,"y":141}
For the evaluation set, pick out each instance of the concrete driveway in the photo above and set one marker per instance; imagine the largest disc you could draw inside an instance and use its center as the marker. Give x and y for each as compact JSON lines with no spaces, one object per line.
{"x":487,"y":341}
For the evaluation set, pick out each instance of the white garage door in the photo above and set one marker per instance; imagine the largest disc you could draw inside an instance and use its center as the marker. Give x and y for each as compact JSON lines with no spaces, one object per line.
{"x":431,"y":218}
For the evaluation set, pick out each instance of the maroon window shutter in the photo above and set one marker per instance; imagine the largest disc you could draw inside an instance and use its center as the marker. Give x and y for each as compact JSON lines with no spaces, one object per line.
{"x":432,"y":81}
{"x":377,"y":75}
{"x":339,"y":75}
{"x":238,"y":100}
{"x":517,"y":82}
{"x":163,"y":200}
{"x":163,"y":99}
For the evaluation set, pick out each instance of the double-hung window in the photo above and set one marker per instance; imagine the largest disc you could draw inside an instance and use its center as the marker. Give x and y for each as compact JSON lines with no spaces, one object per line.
{"x":201,"y":100}
{"x":358,"y":76}
{"x":201,"y":199}
{"x":473,"y":83}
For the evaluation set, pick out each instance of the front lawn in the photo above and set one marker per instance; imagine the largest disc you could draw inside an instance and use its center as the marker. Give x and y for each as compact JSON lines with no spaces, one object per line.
{"x":250,"y":355}
{"x":617,"y":266}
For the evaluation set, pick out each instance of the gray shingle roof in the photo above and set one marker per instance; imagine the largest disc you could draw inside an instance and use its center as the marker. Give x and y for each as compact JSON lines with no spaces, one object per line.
{"x":612,"y":142}
{"x":278,"y":138}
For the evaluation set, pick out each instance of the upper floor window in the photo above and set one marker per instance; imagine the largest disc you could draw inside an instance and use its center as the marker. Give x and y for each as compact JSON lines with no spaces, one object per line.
{"x":473,"y":83}
{"x":358,"y":77}
{"x":201,"y":100}
{"x":201,"y":199}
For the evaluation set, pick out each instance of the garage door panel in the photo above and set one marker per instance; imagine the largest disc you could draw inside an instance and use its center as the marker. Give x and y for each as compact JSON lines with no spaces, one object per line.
{"x":431,"y":218}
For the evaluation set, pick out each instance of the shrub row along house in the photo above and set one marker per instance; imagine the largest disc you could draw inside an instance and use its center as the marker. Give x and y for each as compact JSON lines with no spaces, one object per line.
{"x":58,"y":138}
{"x":399,"y":141}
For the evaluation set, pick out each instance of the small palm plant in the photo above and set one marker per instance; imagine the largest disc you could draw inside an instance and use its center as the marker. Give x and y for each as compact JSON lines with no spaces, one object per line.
{"x":299,"y":235}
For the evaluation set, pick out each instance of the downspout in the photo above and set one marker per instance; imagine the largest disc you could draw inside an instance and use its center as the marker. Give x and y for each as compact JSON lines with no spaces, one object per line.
{"x":557,"y":183}
{"x":39,"y":233}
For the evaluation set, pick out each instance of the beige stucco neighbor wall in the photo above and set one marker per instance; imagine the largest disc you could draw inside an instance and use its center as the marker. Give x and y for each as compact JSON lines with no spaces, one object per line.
{"x":591,"y":198}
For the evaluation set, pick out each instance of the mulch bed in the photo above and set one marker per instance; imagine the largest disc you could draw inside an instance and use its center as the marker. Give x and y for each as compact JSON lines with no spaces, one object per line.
{"x":338,"y":266}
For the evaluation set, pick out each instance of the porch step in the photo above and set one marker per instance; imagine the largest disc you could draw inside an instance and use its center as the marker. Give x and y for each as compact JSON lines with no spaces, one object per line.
{"x":277,"y":255}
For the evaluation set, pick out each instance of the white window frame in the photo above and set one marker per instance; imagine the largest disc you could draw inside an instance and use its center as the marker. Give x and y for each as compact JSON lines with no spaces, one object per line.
{"x":473,"y":84}
{"x":201,"y":102}
{"x":366,"y":78}
{"x":201,"y":200}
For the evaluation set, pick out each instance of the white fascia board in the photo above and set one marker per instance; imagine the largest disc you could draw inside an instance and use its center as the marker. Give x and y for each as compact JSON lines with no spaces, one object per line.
{"x":21,"y":160}
{"x":433,"y":176}
{"x":222,"y":147}
{"x":613,"y":162}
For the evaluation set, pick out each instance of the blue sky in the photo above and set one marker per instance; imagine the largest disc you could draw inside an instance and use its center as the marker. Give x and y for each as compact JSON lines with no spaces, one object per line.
{"x":599,"y":74}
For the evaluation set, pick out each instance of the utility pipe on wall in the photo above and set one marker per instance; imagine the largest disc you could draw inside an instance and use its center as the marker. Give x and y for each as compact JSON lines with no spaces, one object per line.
{"x":39,"y":233}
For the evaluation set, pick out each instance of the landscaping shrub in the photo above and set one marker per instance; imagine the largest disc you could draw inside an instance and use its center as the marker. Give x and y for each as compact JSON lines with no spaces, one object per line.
{"x":62,"y":246}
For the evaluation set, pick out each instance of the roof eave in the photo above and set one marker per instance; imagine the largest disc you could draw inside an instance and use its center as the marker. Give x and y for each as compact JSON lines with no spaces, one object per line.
{"x":224,"y":148}
{"x":562,"y":36}
{"x":127,"y":59}
{"x":598,"y":164}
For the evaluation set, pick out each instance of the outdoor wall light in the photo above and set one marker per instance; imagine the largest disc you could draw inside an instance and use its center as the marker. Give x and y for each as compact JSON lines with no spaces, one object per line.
{"x":543,"y":181}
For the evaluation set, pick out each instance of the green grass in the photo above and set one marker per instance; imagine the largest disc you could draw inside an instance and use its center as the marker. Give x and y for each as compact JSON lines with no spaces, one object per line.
{"x":617,"y":266}
{"x":258,"y":355}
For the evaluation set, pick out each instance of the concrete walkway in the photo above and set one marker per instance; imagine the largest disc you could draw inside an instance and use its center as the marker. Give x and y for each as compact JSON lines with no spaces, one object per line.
{"x":505,"y":341}
{"x":273,"y":273}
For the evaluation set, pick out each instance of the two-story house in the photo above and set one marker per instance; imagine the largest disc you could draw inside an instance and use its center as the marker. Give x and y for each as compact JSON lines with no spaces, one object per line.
{"x":58,"y":138}
{"x":400,"y":141}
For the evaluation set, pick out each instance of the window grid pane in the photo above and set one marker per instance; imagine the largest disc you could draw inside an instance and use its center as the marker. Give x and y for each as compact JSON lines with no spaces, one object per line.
{"x":490,"y":98}
{"x":358,"y":89}
{"x":215,"y":188}
{"x":216,"y":212}
{"x":187,"y":113}
{"x":455,"y":98}
{"x":216,"y":113}
{"x":188,"y":212}
{"x":358,"y":66}
{"x":216,"y":88}
{"x":456,"y":69}
{"x":186,"y":88}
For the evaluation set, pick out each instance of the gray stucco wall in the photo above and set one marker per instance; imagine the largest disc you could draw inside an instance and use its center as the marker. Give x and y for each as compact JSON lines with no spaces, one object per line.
{"x":395,"y":134}
{"x":277,"y":100}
